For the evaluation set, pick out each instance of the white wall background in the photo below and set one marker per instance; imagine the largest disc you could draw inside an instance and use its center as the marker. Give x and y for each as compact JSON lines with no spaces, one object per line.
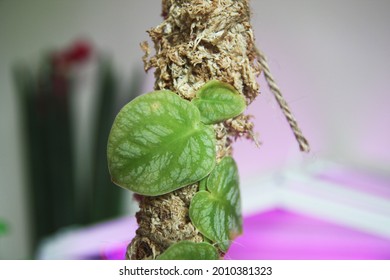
{"x":331,"y":59}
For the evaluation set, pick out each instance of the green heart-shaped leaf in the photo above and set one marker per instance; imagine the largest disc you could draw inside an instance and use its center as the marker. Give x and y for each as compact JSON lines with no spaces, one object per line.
{"x":157,"y":144}
{"x":187,"y":250}
{"x":216,"y":213}
{"x":218,"y":101}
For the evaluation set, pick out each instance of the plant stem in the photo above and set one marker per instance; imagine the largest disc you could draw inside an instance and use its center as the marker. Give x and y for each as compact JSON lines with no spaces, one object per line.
{"x":198,"y":41}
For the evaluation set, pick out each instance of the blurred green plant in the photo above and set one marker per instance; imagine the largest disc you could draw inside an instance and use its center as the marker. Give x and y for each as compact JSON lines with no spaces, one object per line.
{"x":3,"y":232}
{"x":45,"y":94}
{"x":3,"y":228}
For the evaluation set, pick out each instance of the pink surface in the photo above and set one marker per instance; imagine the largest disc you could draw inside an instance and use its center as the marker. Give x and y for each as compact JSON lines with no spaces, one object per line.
{"x":280,"y":234}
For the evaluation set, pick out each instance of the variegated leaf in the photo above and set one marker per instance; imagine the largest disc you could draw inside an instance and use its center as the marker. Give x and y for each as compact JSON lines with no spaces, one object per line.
{"x":187,"y":250}
{"x":216,"y":212}
{"x":218,"y":101}
{"x":157,"y":144}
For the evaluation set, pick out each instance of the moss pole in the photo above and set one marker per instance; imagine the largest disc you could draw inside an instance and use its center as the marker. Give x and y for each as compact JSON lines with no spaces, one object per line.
{"x":198,"y":41}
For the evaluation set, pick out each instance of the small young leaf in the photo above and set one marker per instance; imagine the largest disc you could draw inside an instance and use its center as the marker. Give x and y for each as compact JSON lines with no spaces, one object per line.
{"x":187,"y":250}
{"x":216,"y":213}
{"x":157,"y":144}
{"x":218,"y":101}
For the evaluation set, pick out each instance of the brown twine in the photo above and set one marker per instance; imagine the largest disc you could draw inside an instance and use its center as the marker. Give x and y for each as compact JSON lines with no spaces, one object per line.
{"x":303,"y":143}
